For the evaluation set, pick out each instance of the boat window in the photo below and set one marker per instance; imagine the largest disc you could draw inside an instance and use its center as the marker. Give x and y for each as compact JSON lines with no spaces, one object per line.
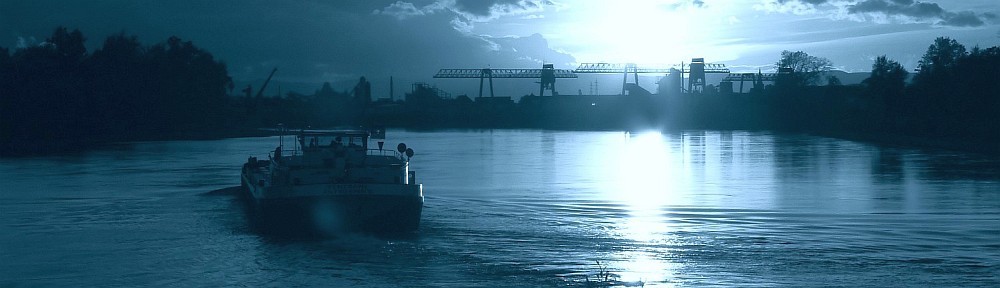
{"x":337,"y":141}
{"x":356,"y":141}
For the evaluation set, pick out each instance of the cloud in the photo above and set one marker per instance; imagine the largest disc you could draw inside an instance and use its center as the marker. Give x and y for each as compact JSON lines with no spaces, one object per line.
{"x":798,"y":7}
{"x":402,"y":10}
{"x":25,"y":42}
{"x":467,"y":10}
{"x":917,"y":10}
{"x":465,"y":13}
{"x":533,"y":50}
{"x":732,"y":20}
{"x":685,"y":4}
{"x":480,"y":8}
{"x":906,"y":11}
{"x":962,"y":19}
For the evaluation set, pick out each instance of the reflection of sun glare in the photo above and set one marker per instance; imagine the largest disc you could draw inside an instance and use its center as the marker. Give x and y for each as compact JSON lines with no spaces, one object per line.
{"x":644,"y":178}
{"x":644,"y":173}
{"x":641,"y":267}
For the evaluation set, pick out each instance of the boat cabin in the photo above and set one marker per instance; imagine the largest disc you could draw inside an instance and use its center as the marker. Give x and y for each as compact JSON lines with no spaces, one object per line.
{"x":340,"y":155}
{"x":315,"y":140}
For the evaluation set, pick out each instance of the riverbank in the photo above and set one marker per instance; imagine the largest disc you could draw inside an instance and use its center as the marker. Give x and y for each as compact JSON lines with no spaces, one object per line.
{"x":28,"y":147}
{"x":895,"y":139}
{"x":40,"y":148}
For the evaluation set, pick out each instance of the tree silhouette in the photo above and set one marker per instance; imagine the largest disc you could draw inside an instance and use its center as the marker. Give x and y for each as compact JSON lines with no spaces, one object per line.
{"x":806,"y":69}
{"x":57,"y":96}
{"x":888,"y":78}
{"x":68,"y":44}
{"x":833,"y":81}
{"x":886,"y":85}
{"x":119,"y":74}
{"x":974,"y":101}
{"x":940,"y":57}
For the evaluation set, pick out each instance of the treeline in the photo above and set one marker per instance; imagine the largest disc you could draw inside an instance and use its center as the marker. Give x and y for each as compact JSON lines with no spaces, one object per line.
{"x":956,"y":93}
{"x":57,"y":95}
{"x":952,"y":100}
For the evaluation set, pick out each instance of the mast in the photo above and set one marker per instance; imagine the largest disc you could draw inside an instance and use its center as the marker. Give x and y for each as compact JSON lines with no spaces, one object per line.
{"x":261,"y":91}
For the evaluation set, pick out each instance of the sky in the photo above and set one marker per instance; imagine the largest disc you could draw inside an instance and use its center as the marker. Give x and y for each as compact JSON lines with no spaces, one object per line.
{"x":315,"y":41}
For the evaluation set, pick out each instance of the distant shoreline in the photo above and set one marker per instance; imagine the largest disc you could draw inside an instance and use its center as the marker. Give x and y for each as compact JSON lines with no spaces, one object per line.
{"x":875,"y":138}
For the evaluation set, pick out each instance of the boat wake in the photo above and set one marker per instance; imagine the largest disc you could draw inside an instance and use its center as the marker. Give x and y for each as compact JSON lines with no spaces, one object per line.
{"x":228,"y":191}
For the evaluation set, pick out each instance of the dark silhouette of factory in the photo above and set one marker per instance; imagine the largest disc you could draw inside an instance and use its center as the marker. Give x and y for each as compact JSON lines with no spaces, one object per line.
{"x":426,"y":106}
{"x":58,"y":96}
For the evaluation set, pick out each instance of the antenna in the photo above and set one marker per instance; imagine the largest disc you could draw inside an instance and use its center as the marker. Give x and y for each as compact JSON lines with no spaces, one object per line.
{"x":281,"y":137}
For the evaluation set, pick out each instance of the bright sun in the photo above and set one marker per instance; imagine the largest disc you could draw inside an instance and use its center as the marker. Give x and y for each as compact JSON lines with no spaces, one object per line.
{"x":644,"y":31}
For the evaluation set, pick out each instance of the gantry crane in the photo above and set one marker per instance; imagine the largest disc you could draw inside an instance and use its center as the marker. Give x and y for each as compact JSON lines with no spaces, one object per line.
{"x":757,"y":78}
{"x":611,"y":68}
{"x":547,"y":76}
{"x":697,"y":70}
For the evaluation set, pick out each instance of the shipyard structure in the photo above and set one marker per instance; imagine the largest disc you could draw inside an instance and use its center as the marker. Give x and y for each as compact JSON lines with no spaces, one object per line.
{"x":685,"y":85}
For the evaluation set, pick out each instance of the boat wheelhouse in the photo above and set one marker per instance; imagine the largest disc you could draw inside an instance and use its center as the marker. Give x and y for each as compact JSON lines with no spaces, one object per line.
{"x":333,"y":181}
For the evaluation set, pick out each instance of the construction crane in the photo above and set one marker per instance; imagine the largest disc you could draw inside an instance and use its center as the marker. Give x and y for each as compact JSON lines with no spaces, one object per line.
{"x":548,"y":75}
{"x":251,"y":103}
{"x":261,"y":91}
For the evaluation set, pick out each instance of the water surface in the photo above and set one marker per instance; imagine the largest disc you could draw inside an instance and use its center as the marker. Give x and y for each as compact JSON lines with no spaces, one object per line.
{"x":525,"y":208}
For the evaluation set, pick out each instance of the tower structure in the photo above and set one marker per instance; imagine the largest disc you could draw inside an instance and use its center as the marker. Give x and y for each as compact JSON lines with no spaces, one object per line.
{"x":547,"y":76}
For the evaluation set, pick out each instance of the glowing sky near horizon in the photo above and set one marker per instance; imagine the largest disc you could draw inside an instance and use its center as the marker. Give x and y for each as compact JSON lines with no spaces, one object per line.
{"x":338,"y":41}
{"x":742,"y":32}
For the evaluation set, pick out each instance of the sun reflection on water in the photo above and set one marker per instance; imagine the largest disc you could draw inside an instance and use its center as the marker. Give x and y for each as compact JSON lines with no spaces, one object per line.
{"x":645,"y":181}
{"x":644,"y":174}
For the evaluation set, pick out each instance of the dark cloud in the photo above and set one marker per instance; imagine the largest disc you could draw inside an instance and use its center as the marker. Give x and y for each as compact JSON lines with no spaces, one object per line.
{"x":309,"y":41}
{"x":479,"y":9}
{"x":811,"y":2}
{"x":920,"y":11}
{"x":962,"y":19}
{"x":469,"y":9}
{"x":466,"y":12}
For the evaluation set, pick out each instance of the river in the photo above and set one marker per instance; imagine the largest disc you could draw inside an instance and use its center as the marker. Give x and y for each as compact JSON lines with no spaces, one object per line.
{"x":525,"y":208}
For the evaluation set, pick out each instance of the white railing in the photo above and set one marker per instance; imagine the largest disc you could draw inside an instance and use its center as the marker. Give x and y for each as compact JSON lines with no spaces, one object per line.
{"x":392,"y":153}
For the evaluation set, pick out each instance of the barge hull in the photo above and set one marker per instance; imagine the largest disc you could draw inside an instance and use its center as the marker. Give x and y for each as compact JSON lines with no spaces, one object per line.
{"x":336,"y":214}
